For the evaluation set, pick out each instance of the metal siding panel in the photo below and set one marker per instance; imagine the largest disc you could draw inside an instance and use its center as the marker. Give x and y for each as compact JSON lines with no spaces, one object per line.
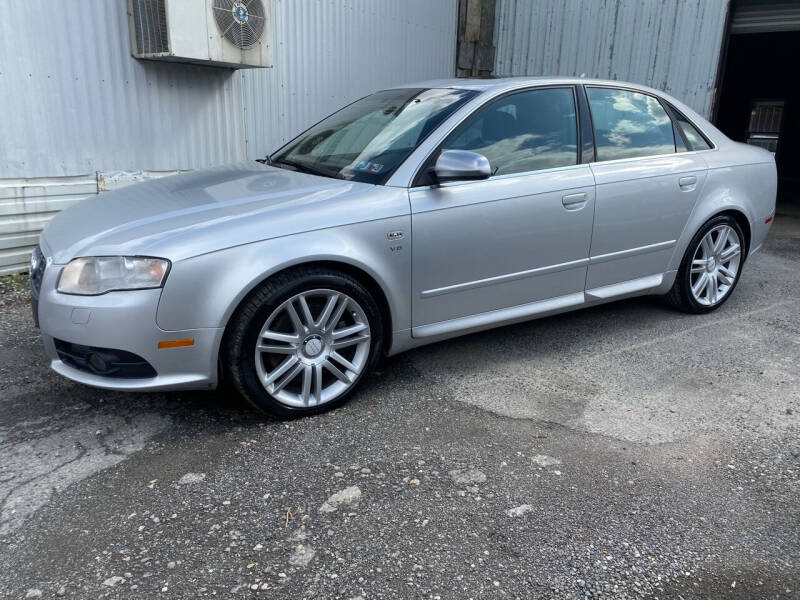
{"x":329,"y":53}
{"x":27,"y":205}
{"x":668,"y":44}
{"x":82,"y":104}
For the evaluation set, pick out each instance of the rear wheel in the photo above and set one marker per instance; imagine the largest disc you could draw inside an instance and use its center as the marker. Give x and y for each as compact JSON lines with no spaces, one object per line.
{"x":710,"y":268}
{"x":303,"y":341}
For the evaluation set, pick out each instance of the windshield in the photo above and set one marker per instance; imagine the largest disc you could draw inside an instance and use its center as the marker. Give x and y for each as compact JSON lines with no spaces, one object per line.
{"x":367,"y":140}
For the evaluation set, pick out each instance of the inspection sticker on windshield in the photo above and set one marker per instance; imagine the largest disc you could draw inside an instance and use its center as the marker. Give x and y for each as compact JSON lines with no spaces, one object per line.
{"x":368,"y":166}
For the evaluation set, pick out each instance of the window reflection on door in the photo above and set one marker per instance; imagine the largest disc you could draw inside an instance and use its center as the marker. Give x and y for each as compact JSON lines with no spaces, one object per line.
{"x":628,"y":124}
{"x":523,"y":132}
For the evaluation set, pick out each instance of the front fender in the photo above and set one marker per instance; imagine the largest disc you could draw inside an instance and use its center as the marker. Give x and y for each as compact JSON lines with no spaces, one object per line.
{"x":205,"y":290}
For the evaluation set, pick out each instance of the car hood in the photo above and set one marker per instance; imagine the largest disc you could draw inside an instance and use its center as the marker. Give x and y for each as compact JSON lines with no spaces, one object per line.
{"x":201,"y":211}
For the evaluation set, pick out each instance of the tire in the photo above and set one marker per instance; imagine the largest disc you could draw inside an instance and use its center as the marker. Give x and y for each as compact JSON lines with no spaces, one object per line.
{"x":300,"y":327}
{"x":724,"y":261}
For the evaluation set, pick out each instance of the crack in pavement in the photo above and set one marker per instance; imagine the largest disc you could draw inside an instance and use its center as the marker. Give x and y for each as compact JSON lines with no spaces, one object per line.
{"x":34,"y":478}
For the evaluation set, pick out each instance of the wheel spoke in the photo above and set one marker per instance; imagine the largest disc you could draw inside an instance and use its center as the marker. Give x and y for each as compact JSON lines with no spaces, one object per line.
{"x":726,"y":275}
{"x":272,"y":349}
{"x":326,"y":312}
{"x":344,"y":362}
{"x":722,"y":239}
{"x":318,"y":383}
{"x":730,"y":252}
{"x":708,"y":246}
{"x":340,"y":333}
{"x":699,"y":265}
{"x":296,"y":322}
{"x":350,"y":341}
{"x":700,"y":284}
{"x":281,"y":337}
{"x":712,"y":289}
{"x":308,"y":375}
{"x":337,"y":315}
{"x":308,"y":320}
{"x":281,"y":369}
{"x":336,"y":372}
{"x":286,"y":379}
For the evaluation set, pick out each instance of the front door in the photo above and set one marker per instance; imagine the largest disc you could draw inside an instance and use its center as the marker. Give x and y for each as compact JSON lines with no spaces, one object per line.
{"x":519,"y":237}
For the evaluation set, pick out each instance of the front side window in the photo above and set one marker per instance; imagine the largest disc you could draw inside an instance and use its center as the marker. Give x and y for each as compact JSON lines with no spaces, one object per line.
{"x":524,"y":131}
{"x":629,"y":124}
{"x":367,"y":140}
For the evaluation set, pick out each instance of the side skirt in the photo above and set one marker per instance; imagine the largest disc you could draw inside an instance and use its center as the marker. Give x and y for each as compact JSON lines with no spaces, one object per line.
{"x":407,"y":339}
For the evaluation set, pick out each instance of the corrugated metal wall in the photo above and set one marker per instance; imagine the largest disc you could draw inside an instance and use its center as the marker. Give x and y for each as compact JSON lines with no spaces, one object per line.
{"x":75,"y":105}
{"x":74,"y":101}
{"x":27,"y":204}
{"x":331,"y":52}
{"x":671,"y":45}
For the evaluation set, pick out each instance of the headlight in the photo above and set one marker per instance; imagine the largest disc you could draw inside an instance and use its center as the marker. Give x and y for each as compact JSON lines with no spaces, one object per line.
{"x":36,"y":259}
{"x":95,"y":275}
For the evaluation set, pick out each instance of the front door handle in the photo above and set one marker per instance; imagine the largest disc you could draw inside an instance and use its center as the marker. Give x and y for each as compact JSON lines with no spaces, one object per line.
{"x":574,"y":201}
{"x":687,"y":183}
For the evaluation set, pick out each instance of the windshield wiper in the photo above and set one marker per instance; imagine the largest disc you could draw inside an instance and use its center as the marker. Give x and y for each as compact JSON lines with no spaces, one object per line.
{"x":303,"y":168}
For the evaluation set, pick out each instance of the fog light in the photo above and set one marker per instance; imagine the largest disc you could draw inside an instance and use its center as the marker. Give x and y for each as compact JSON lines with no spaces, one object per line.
{"x":97,"y":363}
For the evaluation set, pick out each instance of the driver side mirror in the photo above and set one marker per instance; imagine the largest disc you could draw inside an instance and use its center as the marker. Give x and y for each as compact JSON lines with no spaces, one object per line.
{"x":461,"y":165}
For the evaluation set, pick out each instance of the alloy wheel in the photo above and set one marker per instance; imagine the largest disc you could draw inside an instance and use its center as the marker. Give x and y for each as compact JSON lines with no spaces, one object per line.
{"x":312,"y":348}
{"x":715,"y":265}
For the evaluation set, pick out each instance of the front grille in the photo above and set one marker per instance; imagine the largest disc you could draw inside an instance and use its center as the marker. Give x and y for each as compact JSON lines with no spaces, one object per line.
{"x":36,"y":271}
{"x":106,"y":362}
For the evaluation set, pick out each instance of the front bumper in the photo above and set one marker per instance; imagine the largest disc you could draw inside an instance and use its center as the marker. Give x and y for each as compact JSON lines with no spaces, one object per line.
{"x":124,"y":321}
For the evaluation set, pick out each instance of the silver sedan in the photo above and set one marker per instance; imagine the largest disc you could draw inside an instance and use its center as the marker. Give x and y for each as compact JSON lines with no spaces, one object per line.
{"x":412,"y":215}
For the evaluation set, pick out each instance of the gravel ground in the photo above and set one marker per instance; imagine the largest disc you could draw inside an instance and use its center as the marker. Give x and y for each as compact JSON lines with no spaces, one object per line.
{"x":623,"y":451}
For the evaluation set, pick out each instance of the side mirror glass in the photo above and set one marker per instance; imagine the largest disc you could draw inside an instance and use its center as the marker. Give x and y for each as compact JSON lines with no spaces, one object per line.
{"x":461,"y":165}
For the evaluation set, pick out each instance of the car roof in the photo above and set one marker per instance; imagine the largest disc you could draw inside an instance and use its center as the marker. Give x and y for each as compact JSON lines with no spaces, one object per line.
{"x":501,"y":83}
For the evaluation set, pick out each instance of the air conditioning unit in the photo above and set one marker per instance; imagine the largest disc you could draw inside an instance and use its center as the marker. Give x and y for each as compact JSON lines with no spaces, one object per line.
{"x":223,"y":33}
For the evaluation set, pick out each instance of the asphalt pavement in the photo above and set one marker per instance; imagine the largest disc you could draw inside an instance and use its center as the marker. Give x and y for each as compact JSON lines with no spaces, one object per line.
{"x":622,"y":451}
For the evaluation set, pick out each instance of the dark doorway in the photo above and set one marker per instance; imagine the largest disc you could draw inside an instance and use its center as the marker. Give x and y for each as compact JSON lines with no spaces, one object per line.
{"x":760,"y":102}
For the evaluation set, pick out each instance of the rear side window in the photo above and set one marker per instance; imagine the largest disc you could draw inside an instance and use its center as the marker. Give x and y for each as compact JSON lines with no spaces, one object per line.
{"x":524,"y":131}
{"x":629,"y":124}
{"x":695,"y":140}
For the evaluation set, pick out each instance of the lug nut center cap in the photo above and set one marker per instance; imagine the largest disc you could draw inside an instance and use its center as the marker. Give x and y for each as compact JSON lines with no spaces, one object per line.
{"x":313,"y":346}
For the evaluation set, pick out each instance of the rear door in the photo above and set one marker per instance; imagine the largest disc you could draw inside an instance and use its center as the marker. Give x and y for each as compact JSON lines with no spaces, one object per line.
{"x":646,"y":187}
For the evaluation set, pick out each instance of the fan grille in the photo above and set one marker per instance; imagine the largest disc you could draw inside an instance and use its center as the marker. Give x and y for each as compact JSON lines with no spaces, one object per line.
{"x":150,"y":26}
{"x":241,"y":22}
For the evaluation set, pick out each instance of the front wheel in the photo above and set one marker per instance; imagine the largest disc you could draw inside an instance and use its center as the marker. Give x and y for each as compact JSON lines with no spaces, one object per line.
{"x":303,"y":341}
{"x":710,"y":268}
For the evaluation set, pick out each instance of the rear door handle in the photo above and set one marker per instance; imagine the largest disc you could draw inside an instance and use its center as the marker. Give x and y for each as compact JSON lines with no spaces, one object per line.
{"x":574,"y":201}
{"x":687,"y":183}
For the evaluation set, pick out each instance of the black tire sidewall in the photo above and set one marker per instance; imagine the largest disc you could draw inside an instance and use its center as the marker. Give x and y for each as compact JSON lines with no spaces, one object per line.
{"x":686,"y":265}
{"x":244,"y":367}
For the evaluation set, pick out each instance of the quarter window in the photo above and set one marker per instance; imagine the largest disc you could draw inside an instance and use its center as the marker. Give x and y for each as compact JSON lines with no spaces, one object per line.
{"x":629,"y":124}
{"x":695,"y":139}
{"x":524,"y":131}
